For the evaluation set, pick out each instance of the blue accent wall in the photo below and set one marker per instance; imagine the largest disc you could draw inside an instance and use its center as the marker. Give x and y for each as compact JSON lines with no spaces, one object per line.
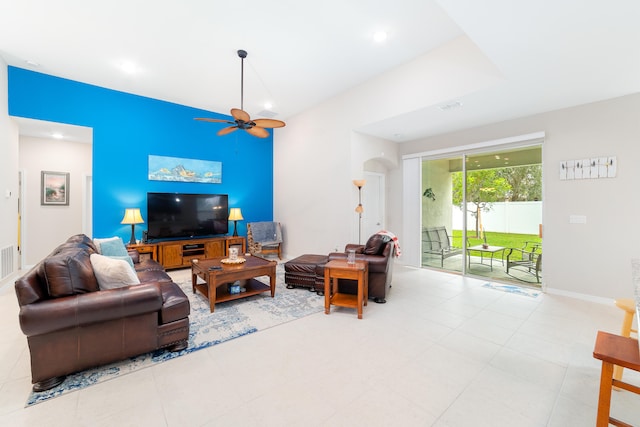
{"x":127,"y":128}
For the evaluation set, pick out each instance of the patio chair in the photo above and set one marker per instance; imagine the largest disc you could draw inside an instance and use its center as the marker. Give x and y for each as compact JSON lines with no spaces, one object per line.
{"x":527,"y":259}
{"x":436,"y":241}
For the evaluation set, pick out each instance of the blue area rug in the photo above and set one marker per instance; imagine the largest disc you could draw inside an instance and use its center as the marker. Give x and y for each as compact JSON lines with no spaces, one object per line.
{"x":513,"y":289}
{"x":230,"y":320}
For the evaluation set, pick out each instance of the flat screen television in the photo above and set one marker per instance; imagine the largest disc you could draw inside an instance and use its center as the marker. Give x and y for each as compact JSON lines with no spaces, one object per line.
{"x":183,"y":216}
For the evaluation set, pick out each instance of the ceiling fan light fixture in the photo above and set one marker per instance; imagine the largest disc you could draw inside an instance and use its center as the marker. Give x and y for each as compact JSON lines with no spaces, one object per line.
{"x":242,"y":120}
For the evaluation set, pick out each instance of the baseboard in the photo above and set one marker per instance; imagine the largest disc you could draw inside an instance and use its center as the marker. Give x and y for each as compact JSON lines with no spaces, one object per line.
{"x":576,"y":295}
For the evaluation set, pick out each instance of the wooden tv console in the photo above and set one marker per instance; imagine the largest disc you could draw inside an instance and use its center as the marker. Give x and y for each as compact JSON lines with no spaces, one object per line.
{"x":179,"y":253}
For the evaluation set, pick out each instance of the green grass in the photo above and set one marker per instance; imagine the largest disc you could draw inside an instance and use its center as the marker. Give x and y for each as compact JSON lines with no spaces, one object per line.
{"x":507,"y":240}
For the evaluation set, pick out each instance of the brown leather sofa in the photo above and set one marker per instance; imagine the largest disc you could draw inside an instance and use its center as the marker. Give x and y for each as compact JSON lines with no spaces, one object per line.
{"x":72,"y":325}
{"x":379,"y":251}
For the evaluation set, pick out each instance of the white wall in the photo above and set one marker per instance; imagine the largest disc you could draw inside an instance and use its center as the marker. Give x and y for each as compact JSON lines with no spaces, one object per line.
{"x":45,"y":227}
{"x":593,"y":258}
{"x":316,"y":156}
{"x":8,"y":173}
{"x":436,"y":175}
{"x":319,"y":152}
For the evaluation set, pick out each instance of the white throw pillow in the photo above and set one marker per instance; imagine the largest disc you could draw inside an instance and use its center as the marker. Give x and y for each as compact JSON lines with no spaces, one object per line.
{"x":112,"y":273}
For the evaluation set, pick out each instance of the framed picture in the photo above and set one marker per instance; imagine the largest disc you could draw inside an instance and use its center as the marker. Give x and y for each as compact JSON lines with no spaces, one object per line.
{"x":163,"y":168}
{"x":54,"y":189}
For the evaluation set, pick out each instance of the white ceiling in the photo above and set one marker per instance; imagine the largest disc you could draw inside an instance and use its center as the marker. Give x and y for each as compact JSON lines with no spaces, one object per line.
{"x":548,"y":54}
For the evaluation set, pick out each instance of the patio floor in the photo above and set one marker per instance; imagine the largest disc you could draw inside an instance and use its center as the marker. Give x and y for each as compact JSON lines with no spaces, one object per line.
{"x":516,"y":276}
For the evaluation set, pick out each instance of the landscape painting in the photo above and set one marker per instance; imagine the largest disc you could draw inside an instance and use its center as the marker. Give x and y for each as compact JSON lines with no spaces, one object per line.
{"x":163,"y":168}
{"x":54,"y":188}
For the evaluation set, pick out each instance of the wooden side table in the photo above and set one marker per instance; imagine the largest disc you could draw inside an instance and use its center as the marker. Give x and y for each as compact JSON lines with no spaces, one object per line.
{"x":146,"y":248}
{"x":340,"y":269}
{"x":614,"y":350}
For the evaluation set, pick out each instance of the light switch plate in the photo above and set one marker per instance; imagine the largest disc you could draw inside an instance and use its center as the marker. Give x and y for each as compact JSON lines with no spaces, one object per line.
{"x":577,"y":219}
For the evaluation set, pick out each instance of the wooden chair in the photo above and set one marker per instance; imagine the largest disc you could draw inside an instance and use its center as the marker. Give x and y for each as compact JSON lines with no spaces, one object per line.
{"x":264,"y":238}
{"x":628,"y":305}
{"x":436,"y":241}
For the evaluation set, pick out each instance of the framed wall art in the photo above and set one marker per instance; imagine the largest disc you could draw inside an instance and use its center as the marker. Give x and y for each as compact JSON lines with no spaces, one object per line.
{"x":54,"y":189}
{"x":163,"y":168}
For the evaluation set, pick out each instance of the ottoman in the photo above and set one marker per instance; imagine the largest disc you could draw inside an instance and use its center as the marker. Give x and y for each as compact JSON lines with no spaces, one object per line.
{"x":303,"y":272}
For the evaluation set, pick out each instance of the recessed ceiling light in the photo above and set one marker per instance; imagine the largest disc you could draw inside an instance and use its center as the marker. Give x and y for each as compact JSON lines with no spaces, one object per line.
{"x":57,"y":135}
{"x":380,"y":36}
{"x":128,"y":67}
{"x":268,"y":106}
{"x":32,"y":63}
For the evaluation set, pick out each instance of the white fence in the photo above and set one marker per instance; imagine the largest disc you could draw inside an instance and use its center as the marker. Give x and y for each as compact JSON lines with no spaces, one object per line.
{"x":504,"y":217}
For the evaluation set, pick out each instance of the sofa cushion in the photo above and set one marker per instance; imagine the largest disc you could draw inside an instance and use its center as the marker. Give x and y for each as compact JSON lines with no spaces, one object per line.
{"x":113,"y":246}
{"x":375,"y":244}
{"x":69,"y":273}
{"x":175,"y":304}
{"x":73,"y":246}
{"x":147,"y":276}
{"x":84,"y":240}
{"x":113,"y":273}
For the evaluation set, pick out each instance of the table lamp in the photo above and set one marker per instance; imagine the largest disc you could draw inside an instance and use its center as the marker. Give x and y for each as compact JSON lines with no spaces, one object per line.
{"x":132,"y":216}
{"x":235,"y":215}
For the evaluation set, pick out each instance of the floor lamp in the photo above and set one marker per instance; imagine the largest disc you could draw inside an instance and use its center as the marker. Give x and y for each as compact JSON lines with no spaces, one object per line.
{"x":359,"y":183}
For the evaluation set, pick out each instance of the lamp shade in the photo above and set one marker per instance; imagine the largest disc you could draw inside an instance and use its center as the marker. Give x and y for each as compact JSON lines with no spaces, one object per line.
{"x":132,"y":216}
{"x":235,"y":214}
{"x":359,"y":182}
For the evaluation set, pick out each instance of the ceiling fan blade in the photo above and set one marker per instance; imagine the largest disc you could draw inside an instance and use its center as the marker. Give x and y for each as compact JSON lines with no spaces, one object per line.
{"x":269,"y":123}
{"x":227,"y":131}
{"x":205,"y":119}
{"x":259,"y":132}
{"x":238,"y":114}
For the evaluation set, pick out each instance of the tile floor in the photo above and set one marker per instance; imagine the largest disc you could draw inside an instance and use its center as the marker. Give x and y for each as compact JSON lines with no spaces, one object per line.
{"x":442,"y":352}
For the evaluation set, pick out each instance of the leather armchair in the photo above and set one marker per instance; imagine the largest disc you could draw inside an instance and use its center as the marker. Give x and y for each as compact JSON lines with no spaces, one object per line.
{"x":379,"y":251}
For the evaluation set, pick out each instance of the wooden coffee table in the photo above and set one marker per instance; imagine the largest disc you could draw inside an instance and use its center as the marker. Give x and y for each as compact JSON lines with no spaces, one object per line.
{"x":217,"y":275}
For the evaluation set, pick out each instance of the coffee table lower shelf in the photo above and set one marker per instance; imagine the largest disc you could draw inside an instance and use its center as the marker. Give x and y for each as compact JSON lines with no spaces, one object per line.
{"x":252,"y":286}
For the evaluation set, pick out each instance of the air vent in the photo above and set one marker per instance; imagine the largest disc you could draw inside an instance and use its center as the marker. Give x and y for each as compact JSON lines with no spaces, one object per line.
{"x":6,"y":262}
{"x":450,"y":106}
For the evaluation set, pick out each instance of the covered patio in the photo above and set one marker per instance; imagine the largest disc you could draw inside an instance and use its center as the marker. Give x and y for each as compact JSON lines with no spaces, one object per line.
{"x":481,"y":267}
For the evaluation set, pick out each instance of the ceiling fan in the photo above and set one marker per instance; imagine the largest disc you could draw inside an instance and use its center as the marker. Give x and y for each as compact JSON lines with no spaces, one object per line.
{"x":242,"y":120}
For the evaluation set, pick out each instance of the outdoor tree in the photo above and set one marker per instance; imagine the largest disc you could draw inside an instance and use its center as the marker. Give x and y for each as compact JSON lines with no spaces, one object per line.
{"x":483,"y":188}
{"x":525,"y":182}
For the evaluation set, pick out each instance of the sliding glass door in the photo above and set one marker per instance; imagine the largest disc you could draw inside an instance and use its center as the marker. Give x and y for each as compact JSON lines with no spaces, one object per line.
{"x":482,"y":214}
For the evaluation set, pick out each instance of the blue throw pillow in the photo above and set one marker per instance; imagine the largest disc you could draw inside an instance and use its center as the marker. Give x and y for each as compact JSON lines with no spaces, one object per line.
{"x":113,"y":247}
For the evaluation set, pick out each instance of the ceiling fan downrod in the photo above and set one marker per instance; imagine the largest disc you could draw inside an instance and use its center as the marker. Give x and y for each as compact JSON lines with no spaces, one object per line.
{"x":242,"y":54}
